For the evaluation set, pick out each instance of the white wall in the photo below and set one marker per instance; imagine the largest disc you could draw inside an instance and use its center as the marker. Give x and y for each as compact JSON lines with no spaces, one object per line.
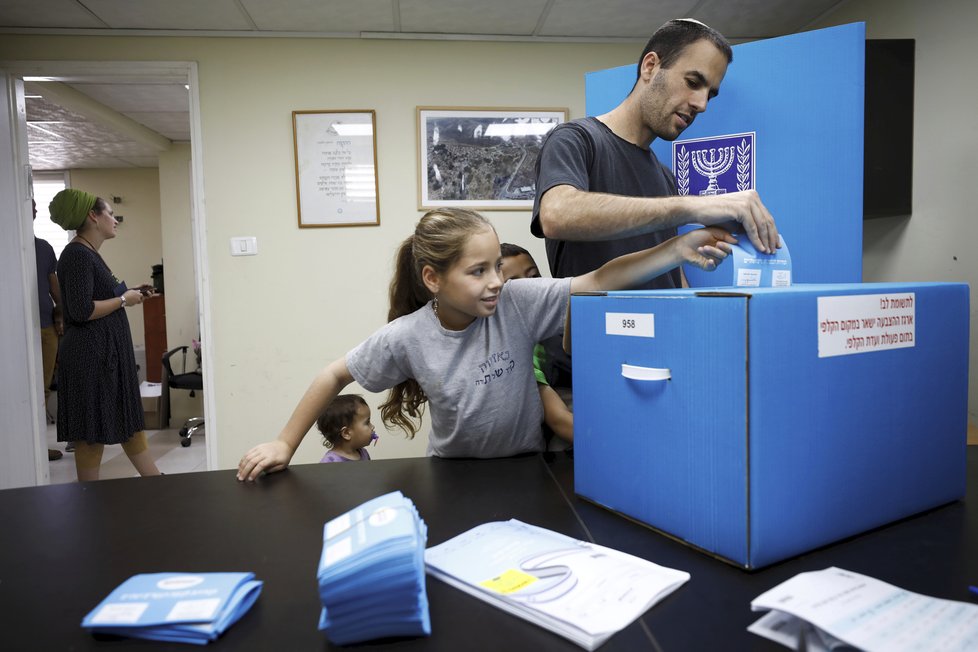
{"x":310,"y":295}
{"x":936,"y":243}
{"x":182,"y":324}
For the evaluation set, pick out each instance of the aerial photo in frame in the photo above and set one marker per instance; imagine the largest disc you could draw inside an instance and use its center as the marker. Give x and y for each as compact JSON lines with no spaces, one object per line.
{"x":481,"y":158}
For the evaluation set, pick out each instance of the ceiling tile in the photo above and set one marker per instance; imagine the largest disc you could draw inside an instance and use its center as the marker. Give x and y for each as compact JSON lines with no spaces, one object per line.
{"x":619,"y":18}
{"x":513,"y":17}
{"x":138,"y":97}
{"x":172,"y":125}
{"x":336,"y":16}
{"x":171,"y":14}
{"x":753,"y":19}
{"x":47,"y":13}
{"x":40,"y":110}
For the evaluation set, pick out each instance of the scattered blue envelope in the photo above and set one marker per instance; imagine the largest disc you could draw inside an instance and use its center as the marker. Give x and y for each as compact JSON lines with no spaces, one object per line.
{"x":371,"y":572}
{"x":177,"y":607}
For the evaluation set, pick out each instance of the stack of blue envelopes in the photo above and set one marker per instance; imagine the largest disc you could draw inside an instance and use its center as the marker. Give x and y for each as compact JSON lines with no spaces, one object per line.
{"x":176,"y":607}
{"x":371,"y":572}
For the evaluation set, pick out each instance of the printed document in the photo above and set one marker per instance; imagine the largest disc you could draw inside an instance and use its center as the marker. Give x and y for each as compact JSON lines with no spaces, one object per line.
{"x":833,"y":607}
{"x":582,"y":591}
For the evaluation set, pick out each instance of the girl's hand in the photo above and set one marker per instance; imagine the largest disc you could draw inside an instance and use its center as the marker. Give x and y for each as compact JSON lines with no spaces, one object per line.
{"x":264,"y":458}
{"x":705,"y":247}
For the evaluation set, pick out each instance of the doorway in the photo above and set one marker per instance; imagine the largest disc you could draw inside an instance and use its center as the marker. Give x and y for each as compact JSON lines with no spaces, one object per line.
{"x":192,"y":253}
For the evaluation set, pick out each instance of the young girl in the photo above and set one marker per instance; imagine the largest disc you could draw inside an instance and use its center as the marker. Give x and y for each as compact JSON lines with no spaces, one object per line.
{"x":346,"y":429}
{"x":461,"y":341}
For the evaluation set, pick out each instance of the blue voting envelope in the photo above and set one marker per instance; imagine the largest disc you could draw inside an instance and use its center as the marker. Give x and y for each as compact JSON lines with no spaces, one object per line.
{"x":177,"y":607}
{"x":372,"y":562}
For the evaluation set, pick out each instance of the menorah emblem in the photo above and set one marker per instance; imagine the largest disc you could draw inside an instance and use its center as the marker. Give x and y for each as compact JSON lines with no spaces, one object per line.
{"x":728,"y":159}
{"x":711,"y":164}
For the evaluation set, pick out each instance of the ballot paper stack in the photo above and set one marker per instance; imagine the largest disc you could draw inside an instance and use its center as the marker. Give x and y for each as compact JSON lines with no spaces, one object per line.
{"x":371,"y":572}
{"x":175,"y":607}
{"x":834,"y":608}
{"x":579,"y":590}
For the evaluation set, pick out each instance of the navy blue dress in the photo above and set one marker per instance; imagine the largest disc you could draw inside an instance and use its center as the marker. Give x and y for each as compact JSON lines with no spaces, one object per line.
{"x":98,"y":389}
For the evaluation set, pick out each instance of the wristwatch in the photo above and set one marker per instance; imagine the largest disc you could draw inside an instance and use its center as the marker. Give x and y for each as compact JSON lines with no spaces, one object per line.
{"x":123,"y":297}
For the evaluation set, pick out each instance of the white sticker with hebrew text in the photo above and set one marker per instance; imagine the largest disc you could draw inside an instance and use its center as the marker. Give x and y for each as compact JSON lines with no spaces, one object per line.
{"x":867,"y":322}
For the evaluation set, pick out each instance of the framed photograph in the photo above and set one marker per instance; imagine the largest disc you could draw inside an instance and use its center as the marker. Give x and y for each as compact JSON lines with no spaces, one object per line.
{"x":336,"y":168}
{"x":483,"y":159}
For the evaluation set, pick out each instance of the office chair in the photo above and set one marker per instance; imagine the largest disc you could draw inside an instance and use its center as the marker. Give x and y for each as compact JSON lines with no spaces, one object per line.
{"x":193,"y":380}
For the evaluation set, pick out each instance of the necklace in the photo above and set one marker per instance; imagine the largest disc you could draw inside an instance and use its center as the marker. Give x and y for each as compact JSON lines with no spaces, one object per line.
{"x":81,"y":237}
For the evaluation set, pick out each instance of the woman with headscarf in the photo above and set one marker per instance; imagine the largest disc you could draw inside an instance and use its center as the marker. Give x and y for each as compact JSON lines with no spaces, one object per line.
{"x":98,"y":390}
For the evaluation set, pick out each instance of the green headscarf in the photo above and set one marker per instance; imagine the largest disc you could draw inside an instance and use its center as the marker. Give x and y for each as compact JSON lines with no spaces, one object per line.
{"x":70,"y":207}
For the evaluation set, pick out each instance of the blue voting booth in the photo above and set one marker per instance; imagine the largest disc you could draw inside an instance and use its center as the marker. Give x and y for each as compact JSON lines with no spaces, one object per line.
{"x":757,"y":424}
{"x":792,"y":109}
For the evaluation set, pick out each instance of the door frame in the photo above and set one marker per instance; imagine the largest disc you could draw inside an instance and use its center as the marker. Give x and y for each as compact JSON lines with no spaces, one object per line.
{"x":14,"y":182}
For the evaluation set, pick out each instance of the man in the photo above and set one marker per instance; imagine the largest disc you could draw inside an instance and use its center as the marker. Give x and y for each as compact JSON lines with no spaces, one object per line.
{"x":51,"y":319}
{"x":602,"y":193}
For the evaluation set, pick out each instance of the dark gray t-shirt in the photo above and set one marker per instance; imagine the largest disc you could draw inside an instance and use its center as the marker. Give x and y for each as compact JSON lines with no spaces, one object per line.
{"x":480,"y":385}
{"x":587,"y":155}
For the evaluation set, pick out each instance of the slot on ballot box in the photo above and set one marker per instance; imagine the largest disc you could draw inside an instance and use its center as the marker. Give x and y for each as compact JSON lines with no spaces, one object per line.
{"x":759,"y":424}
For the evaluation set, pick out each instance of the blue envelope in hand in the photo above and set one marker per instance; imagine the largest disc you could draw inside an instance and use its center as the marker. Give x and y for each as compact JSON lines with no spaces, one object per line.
{"x":745,"y":267}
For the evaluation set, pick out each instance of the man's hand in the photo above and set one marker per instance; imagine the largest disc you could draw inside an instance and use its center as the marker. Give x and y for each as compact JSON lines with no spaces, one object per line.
{"x":746,"y":208}
{"x":269,"y":457}
{"x":706,"y":248}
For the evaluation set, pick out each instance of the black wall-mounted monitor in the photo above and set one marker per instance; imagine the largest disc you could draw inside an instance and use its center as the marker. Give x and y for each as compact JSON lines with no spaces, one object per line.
{"x":888,"y":131}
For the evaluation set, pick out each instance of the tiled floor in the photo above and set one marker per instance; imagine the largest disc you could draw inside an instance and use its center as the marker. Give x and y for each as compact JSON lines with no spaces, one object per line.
{"x":164,"y":445}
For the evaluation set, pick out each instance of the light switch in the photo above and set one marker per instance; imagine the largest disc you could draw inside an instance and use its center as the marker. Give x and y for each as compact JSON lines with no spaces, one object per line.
{"x":244,"y":246}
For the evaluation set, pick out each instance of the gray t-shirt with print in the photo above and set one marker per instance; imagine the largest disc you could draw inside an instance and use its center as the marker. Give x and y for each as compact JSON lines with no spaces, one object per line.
{"x":481,"y":390}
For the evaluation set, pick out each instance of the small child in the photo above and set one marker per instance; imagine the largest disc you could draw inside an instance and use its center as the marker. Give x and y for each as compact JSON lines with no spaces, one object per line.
{"x":346,"y":428}
{"x":518,"y":263}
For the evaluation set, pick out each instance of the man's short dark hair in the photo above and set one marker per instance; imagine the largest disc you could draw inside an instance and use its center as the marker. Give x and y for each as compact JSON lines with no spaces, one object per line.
{"x":671,"y":39}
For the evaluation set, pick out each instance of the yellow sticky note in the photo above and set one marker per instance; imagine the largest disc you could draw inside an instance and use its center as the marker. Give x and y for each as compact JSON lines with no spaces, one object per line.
{"x":510,"y":581}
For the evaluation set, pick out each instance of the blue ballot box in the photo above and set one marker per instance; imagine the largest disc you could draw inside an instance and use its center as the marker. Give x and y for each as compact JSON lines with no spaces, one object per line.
{"x":757,"y":424}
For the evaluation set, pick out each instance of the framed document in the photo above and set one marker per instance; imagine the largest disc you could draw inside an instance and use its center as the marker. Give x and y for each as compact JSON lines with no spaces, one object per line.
{"x":482,"y":159}
{"x":336,"y":168}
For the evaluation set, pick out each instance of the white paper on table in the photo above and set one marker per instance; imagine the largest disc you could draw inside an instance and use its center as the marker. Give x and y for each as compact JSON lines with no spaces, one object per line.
{"x":580,"y":590}
{"x":873,"y":615}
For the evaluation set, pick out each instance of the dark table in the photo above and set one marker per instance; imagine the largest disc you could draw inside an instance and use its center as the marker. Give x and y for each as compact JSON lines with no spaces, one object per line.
{"x":63,"y":548}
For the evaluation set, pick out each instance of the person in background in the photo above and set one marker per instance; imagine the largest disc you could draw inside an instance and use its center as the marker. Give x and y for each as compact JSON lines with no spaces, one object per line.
{"x":518,"y":263}
{"x":461,"y":341}
{"x":98,"y":389}
{"x":51,"y":319}
{"x":601,"y":191}
{"x":346,"y":429}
